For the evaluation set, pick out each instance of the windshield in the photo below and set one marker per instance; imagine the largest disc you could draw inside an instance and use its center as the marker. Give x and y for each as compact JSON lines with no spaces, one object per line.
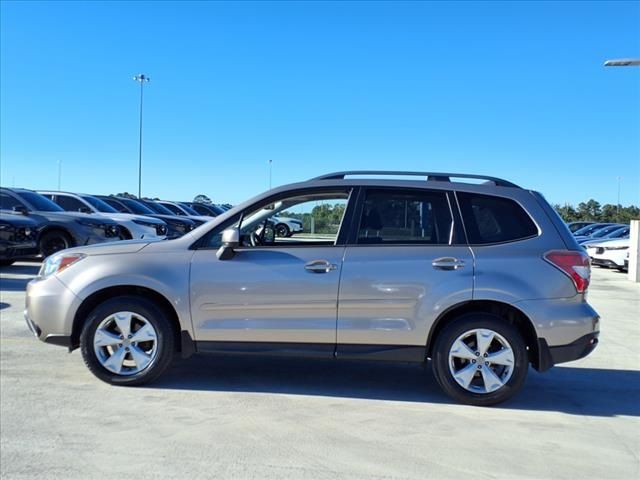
{"x":589,"y":229}
{"x":99,"y":204}
{"x":188,"y":209}
{"x":157,"y":208}
{"x":605,"y":231}
{"x":39,"y":203}
{"x":620,"y":232}
{"x":136,"y":207}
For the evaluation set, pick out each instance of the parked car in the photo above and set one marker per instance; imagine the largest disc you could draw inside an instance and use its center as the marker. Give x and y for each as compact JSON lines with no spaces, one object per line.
{"x":159,"y":208}
{"x":590,"y":229}
{"x":611,"y":254}
{"x":60,"y":229}
{"x":176,"y":226}
{"x":600,"y":233}
{"x":18,"y":237}
{"x":621,"y":232}
{"x":206,"y":209}
{"x":575,"y":226}
{"x":483,"y":279}
{"x":182,"y":210}
{"x":131,"y":226}
{"x":286,"y":227}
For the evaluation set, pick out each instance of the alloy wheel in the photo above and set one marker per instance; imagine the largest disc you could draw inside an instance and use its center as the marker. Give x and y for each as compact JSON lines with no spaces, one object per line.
{"x":481,"y":361}
{"x":125,"y":343}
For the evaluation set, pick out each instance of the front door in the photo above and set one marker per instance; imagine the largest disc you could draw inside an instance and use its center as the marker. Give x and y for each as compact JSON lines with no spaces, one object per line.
{"x":276,"y":289}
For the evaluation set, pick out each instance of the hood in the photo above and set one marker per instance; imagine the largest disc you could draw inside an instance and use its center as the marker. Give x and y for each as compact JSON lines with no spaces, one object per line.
{"x":131,"y":217}
{"x":110,"y":248}
{"x":17,"y":220}
{"x":618,"y":242}
{"x":68,"y":216}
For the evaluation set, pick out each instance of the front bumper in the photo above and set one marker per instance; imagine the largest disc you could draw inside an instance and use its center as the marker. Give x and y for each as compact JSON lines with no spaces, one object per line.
{"x":17,"y":251}
{"x":49,"y":310}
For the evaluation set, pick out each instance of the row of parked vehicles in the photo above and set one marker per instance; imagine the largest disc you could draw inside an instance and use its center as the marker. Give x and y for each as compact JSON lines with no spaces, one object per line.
{"x":44,"y":222}
{"x":607,"y":244}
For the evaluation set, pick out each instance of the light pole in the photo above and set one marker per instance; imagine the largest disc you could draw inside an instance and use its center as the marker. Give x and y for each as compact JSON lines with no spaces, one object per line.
{"x":142,"y":78}
{"x":59,"y":173}
{"x":270,"y":172}
{"x":621,"y":62}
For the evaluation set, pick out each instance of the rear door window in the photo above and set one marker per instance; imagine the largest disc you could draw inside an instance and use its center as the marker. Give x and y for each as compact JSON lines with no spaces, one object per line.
{"x":393,"y":216}
{"x":488,"y":219}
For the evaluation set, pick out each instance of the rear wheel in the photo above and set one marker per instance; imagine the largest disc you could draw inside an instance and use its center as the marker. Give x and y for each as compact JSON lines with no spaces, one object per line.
{"x":479,"y":359}
{"x":283,"y":230}
{"x":53,"y":241}
{"x":127,"y":341}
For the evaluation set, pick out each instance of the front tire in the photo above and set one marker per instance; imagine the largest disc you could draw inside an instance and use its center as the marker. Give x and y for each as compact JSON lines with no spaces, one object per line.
{"x":480,"y":359}
{"x":127,"y":340}
{"x":52,"y":242}
{"x":282,"y":230}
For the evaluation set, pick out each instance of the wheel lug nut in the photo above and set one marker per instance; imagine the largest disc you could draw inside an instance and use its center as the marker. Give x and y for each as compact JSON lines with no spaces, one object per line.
{"x":486,"y":355}
{"x":473,"y":361}
{"x":129,"y":336}
{"x":479,"y":367}
{"x":486,"y":363}
{"x":477,"y":354}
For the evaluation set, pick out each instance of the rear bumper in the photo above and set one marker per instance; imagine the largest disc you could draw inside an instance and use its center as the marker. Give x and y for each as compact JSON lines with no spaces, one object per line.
{"x":604,"y":262}
{"x":550,"y":356}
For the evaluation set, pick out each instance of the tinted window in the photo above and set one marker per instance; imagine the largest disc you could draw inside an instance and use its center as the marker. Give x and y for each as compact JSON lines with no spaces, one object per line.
{"x":188,"y":209}
{"x":99,"y":205}
{"x":489,"y":219}
{"x":38,"y":202}
{"x":115,"y":204}
{"x":70,"y":204}
{"x":174,"y":210}
{"x":405,"y":217}
{"x":137,"y":207}
{"x":7,"y":202}
{"x":156,"y":207}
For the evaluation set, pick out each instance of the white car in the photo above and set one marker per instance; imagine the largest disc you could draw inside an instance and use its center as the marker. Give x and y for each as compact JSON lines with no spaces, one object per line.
{"x":131,"y":226}
{"x":609,"y":254}
{"x":285,"y":226}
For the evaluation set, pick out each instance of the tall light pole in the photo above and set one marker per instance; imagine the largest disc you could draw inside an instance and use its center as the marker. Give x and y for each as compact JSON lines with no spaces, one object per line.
{"x":59,"y":173}
{"x":621,"y":62}
{"x":270,"y":172}
{"x":142,"y":78}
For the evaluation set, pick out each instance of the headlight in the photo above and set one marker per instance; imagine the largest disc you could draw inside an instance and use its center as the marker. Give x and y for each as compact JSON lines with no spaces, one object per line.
{"x":616,"y":248}
{"x":57,"y":263}
{"x":146,"y":224}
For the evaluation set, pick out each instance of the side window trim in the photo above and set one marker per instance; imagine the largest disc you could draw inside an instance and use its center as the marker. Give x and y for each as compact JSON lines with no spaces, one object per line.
{"x":456,"y":221}
{"x":203,"y":242}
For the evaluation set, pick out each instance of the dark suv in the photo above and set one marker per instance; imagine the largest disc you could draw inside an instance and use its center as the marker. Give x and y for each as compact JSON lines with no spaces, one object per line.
{"x":18,"y":237}
{"x":60,"y":229}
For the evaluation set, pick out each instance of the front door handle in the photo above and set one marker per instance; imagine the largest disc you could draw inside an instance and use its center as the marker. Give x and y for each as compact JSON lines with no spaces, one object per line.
{"x":447,"y":263}
{"x":320,"y":266}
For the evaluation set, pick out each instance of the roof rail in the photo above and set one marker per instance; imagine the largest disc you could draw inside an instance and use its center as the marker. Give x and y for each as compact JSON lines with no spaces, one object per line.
{"x":431,"y":176}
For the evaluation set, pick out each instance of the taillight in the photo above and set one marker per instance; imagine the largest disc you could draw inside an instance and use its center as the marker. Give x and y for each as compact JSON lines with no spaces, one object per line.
{"x":575,"y":265}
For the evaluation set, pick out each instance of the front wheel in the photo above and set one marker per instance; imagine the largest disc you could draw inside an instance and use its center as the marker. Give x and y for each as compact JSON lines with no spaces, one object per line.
{"x":479,"y":359}
{"x":127,"y":341}
{"x":283,"y":230}
{"x":52,"y":242}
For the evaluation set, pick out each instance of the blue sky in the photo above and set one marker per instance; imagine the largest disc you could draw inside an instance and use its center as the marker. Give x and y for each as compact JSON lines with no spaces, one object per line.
{"x":508,"y":89}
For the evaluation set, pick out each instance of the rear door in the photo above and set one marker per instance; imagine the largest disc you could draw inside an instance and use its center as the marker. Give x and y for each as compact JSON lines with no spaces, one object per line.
{"x":405,"y":263}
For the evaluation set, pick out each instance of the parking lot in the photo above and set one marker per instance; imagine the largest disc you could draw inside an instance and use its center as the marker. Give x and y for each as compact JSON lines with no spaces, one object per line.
{"x":254,"y":418}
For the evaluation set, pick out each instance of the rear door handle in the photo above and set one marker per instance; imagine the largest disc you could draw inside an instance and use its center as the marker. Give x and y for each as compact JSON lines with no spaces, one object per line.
{"x":447,"y":263}
{"x":320,"y":266}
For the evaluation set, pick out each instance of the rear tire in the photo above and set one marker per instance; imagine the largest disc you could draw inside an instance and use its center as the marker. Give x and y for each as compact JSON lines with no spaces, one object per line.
{"x":109,"y":346}
{"x":283,"y":230}
{"x":474,"y":342}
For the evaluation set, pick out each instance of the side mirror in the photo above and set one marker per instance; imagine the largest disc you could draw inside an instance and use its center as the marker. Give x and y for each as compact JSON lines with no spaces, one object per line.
{"x":230,"y":240}
{"x":20,"y":209}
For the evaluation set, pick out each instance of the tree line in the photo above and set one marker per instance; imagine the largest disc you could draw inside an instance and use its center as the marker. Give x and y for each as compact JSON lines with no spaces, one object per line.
{"x":592,"y":211}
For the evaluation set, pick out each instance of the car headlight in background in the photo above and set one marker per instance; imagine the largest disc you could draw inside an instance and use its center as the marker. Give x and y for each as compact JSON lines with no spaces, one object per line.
{"x":110,"y":229}
{"x":160,"y":228}
{"x":57,"y":263}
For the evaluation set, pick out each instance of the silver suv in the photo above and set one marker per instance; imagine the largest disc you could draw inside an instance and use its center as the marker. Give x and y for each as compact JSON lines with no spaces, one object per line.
{"x":483,"y":279}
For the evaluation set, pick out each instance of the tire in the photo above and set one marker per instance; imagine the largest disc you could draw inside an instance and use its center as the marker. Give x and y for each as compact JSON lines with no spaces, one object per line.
{"x":6,"y":263}
{"x":158,"y":353}
{"x":283,"y":230}
{"x":53,"y":241}
{"x":510,"y":373}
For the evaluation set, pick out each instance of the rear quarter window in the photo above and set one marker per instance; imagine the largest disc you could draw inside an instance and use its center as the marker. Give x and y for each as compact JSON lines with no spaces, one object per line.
{"x":488,"y":219}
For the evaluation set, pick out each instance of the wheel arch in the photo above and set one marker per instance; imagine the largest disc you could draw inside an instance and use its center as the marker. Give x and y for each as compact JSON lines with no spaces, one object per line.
{"x":183,"y":344}
{"x":504,"y":311}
